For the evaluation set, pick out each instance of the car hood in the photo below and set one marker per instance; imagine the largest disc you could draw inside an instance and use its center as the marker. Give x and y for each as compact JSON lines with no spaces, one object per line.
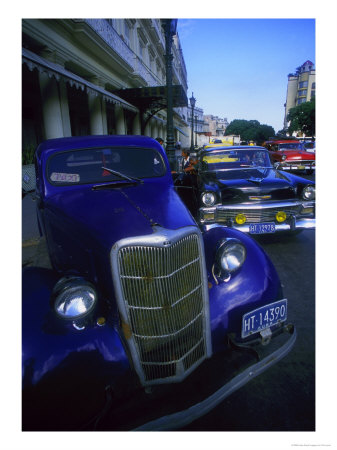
{"x":238,"y":185}
{"x":108,"y":215}
{"x":298,"y":155}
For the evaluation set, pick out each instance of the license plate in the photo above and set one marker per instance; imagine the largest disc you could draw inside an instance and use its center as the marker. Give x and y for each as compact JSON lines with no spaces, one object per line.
{"x":262,"y":228}
{"x":301,"y":167}
{"x":264,"y":317}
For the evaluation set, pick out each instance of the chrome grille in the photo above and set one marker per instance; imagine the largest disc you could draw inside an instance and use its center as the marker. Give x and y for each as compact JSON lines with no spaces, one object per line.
{"x":164,"y":300}
{"x":255,"y":215}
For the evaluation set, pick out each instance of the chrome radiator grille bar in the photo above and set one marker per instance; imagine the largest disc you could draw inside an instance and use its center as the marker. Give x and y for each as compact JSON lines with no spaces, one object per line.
{"x":163,"y":300}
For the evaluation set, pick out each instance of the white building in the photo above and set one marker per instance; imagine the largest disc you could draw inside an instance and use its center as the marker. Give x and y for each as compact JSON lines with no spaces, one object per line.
{"x":98,"y":76}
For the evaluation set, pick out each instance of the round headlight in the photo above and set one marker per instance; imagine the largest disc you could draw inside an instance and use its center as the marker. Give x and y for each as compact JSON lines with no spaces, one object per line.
{"x":230,"y":256}
{"x":284,"y":157}
{"x":208,"y":198}
{"x":74,"y":298}
{"x":240,"y":219}
{"x":308,"y":193}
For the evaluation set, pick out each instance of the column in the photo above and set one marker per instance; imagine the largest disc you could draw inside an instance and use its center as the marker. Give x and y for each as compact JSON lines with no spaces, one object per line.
{"x":136,"y":125}
{"x":155,"y":130}
{"x":65,"y":109}
{"x":95,"y":112}
{"x":147,"y":131}
{"x":120,"y":122}
{"x":51,"y":107}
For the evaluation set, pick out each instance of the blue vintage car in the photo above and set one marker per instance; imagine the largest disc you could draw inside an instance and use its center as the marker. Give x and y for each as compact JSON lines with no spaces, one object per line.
{"x":142,"y":322}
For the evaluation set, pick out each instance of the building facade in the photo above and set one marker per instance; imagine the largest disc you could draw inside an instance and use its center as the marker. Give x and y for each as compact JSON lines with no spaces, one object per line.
{"x":301,"y":87}
{"x":217,"y":126}
{"x":98,"y":76}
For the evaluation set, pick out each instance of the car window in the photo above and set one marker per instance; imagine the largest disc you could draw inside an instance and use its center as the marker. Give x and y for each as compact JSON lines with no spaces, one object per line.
{"x":213,"y":161}
{"x":291,"y":146}
{"x":86,"y":165}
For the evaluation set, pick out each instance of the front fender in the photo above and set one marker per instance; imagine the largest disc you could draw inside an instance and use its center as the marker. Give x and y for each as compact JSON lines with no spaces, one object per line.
{"x":62,"y":365}
{"x":255,"y":284}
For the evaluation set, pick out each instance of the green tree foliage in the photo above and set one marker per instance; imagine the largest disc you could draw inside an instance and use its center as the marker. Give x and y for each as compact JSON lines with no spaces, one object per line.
{"x":302,"y":118}
{"x":250,"y":130}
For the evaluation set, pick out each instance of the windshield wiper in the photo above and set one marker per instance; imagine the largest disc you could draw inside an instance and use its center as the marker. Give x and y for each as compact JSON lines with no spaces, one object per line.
{"x":122,"y":175}
{"x":114,"y":185}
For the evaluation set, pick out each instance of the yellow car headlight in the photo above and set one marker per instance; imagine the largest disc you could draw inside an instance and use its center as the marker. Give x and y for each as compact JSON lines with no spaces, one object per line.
{"x":281,"y":216}
{"x":240,"y":219}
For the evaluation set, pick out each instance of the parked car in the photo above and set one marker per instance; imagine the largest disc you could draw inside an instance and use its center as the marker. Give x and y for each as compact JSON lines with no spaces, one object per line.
{"x":143,"y":322}
{"x":290,"y":155}
{"x":238,"y":187}
{"x":216,"y":145}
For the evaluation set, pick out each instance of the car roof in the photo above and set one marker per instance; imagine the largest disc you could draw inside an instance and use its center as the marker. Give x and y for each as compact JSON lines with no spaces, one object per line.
{"x":77,"y":142}
{"x":283,"y":141}
{"x":234,"y":147}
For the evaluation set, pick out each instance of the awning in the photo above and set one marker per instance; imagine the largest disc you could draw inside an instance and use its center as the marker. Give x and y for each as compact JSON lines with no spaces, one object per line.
{"x":181,"y":131}
{"x":153,"y":98}
{"x":34,"y":61}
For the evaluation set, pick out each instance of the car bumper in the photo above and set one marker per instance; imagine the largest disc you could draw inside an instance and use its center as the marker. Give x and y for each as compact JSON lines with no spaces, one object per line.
{"x":258,"y":213}
{"x":186,"y":416}
{"x":297,"y":224}
{"x":298,"y":165}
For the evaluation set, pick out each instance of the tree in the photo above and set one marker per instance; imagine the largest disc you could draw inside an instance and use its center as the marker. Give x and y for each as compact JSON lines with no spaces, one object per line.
{"x":250,"y":130}
{"x":302,"y":118}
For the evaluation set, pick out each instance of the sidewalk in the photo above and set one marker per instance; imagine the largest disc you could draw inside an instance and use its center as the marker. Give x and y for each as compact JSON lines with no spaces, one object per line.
{"x":34,"y":250}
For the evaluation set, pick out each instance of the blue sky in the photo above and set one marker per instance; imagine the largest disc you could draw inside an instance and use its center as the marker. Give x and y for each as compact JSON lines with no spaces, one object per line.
{"x":237,"y":68}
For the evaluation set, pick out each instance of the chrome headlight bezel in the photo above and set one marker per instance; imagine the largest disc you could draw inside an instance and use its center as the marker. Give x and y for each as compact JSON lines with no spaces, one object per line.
{"x":73,"y":298}
{"x":309,"y":192}
{"x":229,"y":258}
{"x":208,"y":198}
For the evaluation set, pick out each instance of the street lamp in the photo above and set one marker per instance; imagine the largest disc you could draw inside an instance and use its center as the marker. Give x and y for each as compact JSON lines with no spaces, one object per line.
{"x":170,"y":29}
{"x":196,"y":130}
{"x":192,"y":103}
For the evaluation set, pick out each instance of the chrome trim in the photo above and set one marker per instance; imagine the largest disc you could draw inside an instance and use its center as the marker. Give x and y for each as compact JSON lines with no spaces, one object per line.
{"x":297,"y":224}
{"x":152,"y":249}
{"x":264,"y":205}
{"x":284,"y":165}
{"x":185,"y":417}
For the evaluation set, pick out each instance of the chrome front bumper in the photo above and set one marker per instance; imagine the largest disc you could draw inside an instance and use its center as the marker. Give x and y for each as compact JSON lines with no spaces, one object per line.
{"x":302,"y":224}
{"x":305,"y":165}
{"x":259,"y":213}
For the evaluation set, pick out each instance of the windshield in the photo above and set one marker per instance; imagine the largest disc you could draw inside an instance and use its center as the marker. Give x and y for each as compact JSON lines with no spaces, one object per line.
{"x":295,"y":146}
{"x":108,"y":164}
{"x":234,"y":159}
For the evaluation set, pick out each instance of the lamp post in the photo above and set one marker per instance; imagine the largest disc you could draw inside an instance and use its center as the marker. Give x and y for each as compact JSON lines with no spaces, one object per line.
{"x":170,"y":29}
{"x":196,"y":130}
{"x":192,"y":103}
